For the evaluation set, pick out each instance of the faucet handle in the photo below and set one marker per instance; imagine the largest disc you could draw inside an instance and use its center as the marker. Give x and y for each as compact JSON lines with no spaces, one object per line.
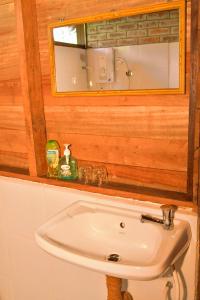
{"x":168,"y":211}
{"x":169,"y":208}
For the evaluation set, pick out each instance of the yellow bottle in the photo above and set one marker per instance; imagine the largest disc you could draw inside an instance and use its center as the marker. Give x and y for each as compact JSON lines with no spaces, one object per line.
{"x":52,"y":156}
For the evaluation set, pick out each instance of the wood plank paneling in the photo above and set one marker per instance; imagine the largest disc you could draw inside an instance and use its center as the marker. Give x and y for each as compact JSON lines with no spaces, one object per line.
{"x":10,"y":92}
{"x":13,"y":159}
{"x":13,"y":150}
{"x":143,"y":152}
{"x":156,"y":122}
{"x":12,"y":117}
{"x":193,"y":138}
{"x":9,"y":62}
{"x":13,"y":140}
{"x":140,"y":176}
{"x":137,"y":100}
{"x":49,"y":12}
{"x":142,"y":139}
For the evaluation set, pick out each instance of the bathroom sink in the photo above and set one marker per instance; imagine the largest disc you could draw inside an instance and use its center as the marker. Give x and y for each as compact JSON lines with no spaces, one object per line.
{"x":113,"y":240}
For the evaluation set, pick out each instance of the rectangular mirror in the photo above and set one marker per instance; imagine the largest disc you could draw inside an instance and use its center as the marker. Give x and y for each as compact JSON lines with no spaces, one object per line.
{"x":139,"y":51}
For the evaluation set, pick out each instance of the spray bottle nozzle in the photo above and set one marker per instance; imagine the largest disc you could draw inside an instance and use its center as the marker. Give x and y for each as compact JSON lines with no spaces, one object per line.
{"x":67,"y":151}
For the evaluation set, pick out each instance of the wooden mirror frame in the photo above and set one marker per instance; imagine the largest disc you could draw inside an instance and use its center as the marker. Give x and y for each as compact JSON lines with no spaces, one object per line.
{"x":180,"y":4}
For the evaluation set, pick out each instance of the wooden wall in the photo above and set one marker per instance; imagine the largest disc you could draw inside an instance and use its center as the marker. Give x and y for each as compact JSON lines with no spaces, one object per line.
{"x":13,"y":150}
{"x":143,"y":140}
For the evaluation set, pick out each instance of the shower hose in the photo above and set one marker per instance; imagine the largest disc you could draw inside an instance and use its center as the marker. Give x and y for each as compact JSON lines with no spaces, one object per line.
{"x":176,"y":285}
{"x":114,"y":286}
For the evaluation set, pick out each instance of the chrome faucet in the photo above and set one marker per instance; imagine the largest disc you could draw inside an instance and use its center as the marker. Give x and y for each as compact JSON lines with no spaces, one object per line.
{"x":168,"y":212}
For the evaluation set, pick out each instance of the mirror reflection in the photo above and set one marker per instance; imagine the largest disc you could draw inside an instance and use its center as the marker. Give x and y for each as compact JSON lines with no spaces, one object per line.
{"x":134,"y":52}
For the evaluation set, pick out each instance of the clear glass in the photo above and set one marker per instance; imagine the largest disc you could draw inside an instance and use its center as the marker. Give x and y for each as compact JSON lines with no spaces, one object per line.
{"x":85,"y":174}
{"x":99,"y":175}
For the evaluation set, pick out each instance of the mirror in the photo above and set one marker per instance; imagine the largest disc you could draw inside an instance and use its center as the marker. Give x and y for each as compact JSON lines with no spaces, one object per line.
{"x":129,"y":52}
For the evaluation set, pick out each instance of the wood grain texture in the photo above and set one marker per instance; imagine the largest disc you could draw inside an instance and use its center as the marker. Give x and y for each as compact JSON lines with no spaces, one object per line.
{"x":13,"y":160}
{"x":156,"y":122}
{"x":140,"y":138}
{"x":13,"y":150}
{"x":9,"y":142}
{"x":137,"y":100}
{"x":12,"y":117}
{"x":193,"y":138}
{"x":71,"y":9}
{"x":194,"y":155}
{"x":9,"y":64}
{"x":143,"y":152}
{"x":141,"y":176}
{"x":31,"y":85}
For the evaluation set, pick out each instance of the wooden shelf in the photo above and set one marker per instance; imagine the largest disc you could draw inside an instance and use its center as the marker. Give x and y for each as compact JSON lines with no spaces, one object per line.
{"x":111,"y":189}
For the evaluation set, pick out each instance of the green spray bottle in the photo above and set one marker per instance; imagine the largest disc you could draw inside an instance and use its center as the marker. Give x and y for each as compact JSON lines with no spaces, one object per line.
{"x":67,"y":168}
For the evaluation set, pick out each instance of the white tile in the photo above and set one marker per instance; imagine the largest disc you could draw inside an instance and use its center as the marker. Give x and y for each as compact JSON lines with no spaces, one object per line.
{"x":56,"y":200}
{"x":153,"y":66}
{"x":173,"y":65}
{"x":38,"y":275}
{"x":70,"y":78}
{"x":4,"y":257}
{"x":22,"y":205}
{"x":31,"y":270}
{"x":5,"y":291}
{"x":74,"y":282}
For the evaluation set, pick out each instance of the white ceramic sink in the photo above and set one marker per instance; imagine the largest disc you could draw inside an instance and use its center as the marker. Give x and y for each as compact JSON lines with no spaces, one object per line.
{"x":88,"y":233}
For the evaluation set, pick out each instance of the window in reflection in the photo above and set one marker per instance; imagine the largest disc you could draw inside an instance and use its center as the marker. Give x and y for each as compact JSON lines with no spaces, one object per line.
{"x":70,"y":35}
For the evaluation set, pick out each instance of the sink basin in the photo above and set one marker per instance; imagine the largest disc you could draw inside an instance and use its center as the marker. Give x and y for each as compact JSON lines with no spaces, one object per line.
{"x":113,"y":241}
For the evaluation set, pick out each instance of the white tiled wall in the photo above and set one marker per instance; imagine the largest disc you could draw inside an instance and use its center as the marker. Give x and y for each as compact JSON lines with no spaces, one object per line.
{"x":29,"y":273}
{"x":154,"y":66}
{"x":70,"y":76}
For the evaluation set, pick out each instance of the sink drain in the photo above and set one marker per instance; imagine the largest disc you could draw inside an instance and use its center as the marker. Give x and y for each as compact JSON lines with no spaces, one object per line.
{"x":113,"y":257}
